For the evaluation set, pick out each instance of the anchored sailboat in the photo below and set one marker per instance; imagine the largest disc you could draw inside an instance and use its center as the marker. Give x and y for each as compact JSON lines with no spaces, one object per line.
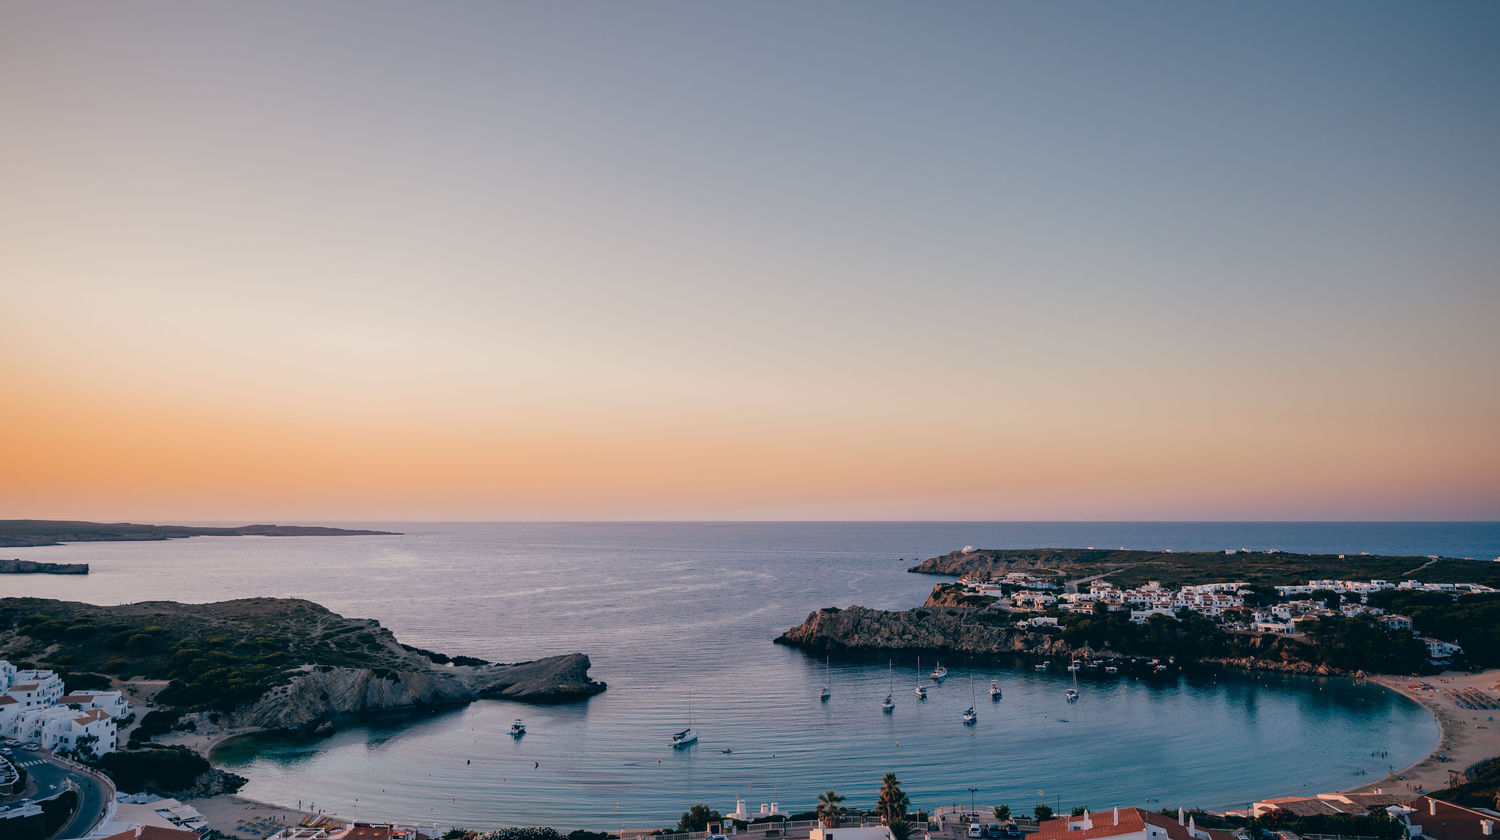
{"x":826,"y":692}
{"x":686,"y":736}
{"x":970,"y":716}
{"x":890,"y":704}
{"x":921,"y":691}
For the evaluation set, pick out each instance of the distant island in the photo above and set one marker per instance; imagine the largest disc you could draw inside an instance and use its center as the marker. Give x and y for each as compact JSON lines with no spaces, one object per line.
{"x":1154,"y":610}
{"x":29,"y":567}
{"x":25,"y":533}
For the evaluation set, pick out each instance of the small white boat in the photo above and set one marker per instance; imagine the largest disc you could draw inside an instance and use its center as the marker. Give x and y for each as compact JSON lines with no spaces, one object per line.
{"x":1043,"y":666}
{"x":1075,"y":667}
{"x":890,"y":672}
{"x":826,"y":692}
{"x":921,"y":692}
{"x":1071,"y":694}
{"x":939,"y":673}
{"x":517,"y":729}
{"x":994,"y":689}
{"x":889,"y":705}
{"x":1110,"y":669}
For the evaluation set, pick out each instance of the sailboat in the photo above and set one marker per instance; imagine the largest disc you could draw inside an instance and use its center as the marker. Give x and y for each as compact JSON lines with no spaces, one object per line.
{"x":994,"y":689}
{"x":824,"y":696}
{"x":890,"y":704}
{"x":1072,"y":693}
{"x":939,"y":673}
{"x":970,"y":716}
{"x":921,"y":691}
{"x":686,"y":736}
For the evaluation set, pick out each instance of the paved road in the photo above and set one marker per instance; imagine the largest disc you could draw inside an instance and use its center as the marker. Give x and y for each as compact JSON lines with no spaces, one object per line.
{"x":52,"y":776}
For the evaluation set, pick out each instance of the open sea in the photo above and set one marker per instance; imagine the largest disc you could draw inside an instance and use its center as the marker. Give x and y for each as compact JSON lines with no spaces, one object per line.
{"x":680,"y":613}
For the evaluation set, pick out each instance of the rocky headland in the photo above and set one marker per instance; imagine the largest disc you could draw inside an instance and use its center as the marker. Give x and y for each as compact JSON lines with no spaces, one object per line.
{"x":938,"y":629}
{"x":29,"y":567}
{"x":269,"y":663}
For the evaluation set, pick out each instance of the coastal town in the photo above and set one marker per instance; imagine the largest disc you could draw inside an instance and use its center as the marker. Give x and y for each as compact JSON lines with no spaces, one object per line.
{"x":1287,"y":610}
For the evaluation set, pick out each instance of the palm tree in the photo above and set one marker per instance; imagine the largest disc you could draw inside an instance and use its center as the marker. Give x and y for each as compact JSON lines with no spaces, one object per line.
{"x":893,"y":802}
{"x":828,"y":808}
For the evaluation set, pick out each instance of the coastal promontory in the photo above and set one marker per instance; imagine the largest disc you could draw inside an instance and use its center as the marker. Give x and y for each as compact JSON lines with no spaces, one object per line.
{"x":19,"y":533}
{"x":269,"y":663}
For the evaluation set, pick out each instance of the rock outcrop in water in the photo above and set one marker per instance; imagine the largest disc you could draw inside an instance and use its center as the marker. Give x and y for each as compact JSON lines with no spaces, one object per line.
{"x":29,"y":567}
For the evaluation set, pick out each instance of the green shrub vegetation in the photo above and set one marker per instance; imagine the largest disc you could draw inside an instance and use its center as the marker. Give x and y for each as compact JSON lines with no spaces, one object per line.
{"x":156,"y":768}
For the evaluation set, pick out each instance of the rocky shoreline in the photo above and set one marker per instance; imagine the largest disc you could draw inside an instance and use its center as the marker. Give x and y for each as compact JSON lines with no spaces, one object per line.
{"x":319,"y":695}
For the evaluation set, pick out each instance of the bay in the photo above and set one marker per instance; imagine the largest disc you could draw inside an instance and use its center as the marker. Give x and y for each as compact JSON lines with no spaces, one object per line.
{"x":669,"y":611}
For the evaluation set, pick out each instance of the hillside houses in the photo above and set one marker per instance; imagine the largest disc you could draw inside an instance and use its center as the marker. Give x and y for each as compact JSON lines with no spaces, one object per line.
{"x":33,"y":707}
{"x":1294,"y":613}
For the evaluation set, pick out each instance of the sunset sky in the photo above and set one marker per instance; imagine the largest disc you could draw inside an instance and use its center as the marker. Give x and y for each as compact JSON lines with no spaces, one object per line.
{"x":670,"y":260}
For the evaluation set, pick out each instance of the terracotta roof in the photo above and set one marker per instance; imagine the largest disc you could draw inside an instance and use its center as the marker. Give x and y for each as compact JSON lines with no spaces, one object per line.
{"x":23,"y":687}
{"x":1461,"y":823}
{"x":76,"y":698}
{"x":1132,"y":820}
{"x":6,"y":699}
{"x":152,"y":832}
{"x":91,"y":716}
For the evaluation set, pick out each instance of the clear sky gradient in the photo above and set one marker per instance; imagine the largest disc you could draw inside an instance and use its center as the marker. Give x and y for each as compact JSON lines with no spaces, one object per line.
{"x":773,"y":260}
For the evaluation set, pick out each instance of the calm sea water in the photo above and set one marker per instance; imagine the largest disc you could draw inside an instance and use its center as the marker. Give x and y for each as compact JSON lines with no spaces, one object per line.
{"x":680,"y":613}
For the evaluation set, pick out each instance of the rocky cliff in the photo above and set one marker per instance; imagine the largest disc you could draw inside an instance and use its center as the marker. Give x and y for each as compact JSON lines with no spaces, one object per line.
{"x":951,"y":629}
{"x":316,"y":695}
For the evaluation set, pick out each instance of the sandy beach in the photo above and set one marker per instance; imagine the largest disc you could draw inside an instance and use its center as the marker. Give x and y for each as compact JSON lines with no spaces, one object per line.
{"x":240,"y":817}
{"x":1468,"y":735}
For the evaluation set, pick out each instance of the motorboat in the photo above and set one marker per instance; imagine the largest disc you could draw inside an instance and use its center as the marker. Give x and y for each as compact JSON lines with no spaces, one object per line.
{"x":823,"y":697}
{"x":1042,"y":666}
{"x":921,"y":690}
{"x":994,"y":689}
{"x":517,"y":729}
{"x":939,"y":673}
{"x":1071,"y":694}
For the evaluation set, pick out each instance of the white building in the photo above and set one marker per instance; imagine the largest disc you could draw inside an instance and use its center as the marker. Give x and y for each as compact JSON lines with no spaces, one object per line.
{"x":1439,"y":651}
{"x":7,"y":675}
{"x":110,"y":701}
{"x":35,"y":689}
{"x":61,"y":728}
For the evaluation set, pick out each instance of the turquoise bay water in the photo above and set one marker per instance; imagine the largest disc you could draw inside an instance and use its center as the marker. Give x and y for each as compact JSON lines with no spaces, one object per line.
{"x":672,"y":610}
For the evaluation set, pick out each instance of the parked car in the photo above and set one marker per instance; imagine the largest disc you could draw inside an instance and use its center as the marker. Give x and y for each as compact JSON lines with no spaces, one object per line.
{"x":976,"y":830}
{"x":994,"y":830}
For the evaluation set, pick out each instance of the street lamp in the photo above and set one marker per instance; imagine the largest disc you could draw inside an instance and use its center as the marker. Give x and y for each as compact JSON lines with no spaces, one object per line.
{"x":971,"y":797}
